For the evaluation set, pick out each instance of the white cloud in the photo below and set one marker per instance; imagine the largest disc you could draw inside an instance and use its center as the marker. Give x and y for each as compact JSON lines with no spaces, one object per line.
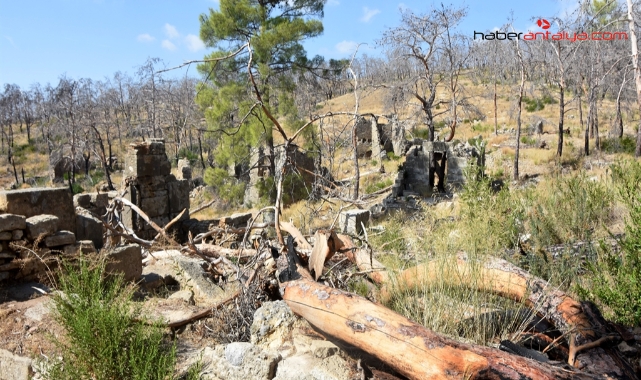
{"x":171,"y":31}
{"x":369,"y":13}
{"x":168,"y":45}
{"x":10,"y":41}
{"x":344,"y":47}
{"x":194,"y":43}
{"x":145,"y":38}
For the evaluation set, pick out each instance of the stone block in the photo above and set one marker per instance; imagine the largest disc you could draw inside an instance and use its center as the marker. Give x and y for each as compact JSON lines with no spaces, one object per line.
{"x":127,"y":260}
{"x":60,"y":238}
{"x":82,"y":200}
{"x":17,"y":234}
{"x":237,"y":220}
{"x":80,"y":246}
{"x":147,"y":165}
{"x":42,"y":225}
{"x":352,"y":221}
{"x":191,"y":275}
{"x":10,"y":222}
{"x":153,"y":207}
{"x":89,"y":227}
{"x":184,"y":169}
{"x":37,"y":201}
{"x":14,"y":367}
{"x":178,"y":195}
{"x":5,"y":235}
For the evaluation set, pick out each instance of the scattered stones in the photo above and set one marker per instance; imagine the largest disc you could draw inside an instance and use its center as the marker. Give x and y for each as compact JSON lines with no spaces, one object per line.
{"x":241,"y":361}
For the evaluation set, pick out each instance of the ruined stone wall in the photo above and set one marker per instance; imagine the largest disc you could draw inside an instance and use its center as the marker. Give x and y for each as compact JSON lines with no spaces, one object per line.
{"x":151,"y":186}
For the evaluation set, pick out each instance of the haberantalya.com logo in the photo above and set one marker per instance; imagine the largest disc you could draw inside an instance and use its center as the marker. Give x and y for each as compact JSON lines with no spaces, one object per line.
{"x":546,"y":35}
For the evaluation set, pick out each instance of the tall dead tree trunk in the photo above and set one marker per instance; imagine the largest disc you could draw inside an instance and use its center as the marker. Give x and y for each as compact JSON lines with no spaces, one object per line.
{"x":518,"y":115}
{"x":637,"y":70}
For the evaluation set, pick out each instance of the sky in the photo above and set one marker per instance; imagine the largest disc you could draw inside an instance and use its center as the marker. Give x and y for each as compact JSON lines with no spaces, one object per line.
{"x":41,"y":40}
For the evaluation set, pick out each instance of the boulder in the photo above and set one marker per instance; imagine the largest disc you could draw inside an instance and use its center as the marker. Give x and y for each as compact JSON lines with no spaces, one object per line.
{"x":40,"y":225}
{"x":10,"y":222}
{"x":238,"y":361}
{"x":127,"y":260}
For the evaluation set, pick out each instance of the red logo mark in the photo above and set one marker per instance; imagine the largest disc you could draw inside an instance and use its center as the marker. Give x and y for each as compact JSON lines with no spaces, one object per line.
{"x":543,"y":23}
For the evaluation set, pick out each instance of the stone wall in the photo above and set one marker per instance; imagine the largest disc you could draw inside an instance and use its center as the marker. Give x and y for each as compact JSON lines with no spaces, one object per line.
{"x":152,"y":187}
{"x":29,"y":246}
{"x":36,"y":201}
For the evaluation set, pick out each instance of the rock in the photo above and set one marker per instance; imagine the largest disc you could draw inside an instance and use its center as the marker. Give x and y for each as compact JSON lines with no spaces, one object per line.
{"x":89,"y":227}
{"x":5,"y":235}
{"x":127,"y":260}
{"x":271,"y":321}
{"x":60,"y":238}
{"x":323,"y":349}
{"x":235,"y":352}
{"x":14,"y":367}
{"x":627,"y":350}
{"x":186,"y":296}
{"x":9,"y":222}
{"x":38,"y":201}
{"x":307,"y":367}
{"x":41,"y":225}
{"x":352,"y":221}
{"x":17,"y":234}
{"x":192,"y":276}
{"x":238,"y":361}
{"x":80,"y":246}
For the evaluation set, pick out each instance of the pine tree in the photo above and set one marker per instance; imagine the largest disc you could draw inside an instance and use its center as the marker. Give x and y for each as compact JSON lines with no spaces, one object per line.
{"x":248,"y":87}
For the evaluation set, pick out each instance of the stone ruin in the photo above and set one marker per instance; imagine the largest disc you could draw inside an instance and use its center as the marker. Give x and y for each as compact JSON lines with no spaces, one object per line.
{"x":430,"y":164}
{"x":150,"y":185}
{"x":38,"y":223}
{"x":376,"y":139}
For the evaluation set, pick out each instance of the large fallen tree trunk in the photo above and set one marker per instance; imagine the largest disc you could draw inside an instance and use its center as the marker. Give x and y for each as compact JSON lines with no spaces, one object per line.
{"x":501,"y":277}
{"x":409,"y":348}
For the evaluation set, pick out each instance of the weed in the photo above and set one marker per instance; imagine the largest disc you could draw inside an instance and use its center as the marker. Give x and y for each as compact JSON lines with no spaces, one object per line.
{"x":371,"y":188}
{"x":107,"y":337}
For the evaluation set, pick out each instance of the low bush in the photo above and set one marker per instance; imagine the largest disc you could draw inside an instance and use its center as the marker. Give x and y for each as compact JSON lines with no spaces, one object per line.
{"x":106,"y":334}
{"x":615,"y":279}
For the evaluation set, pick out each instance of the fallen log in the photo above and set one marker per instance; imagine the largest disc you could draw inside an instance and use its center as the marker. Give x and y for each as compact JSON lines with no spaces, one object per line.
{"x":409,"y":348}
{"x":503,"y":278}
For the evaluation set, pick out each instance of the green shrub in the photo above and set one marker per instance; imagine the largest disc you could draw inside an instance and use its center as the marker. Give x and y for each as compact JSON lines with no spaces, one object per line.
{"x":76,"y":188}
{"x":626,"y":144}
{"x":188,"y":154}
{"x":537,"y":104}
{"x":106,"y":335}
{"x":422,"y":133}
{"x":392,"y":157}
{"x":528,"y":140}
{"x":227,"y":187}
{"x":374,"y":187}
{"x":616,"y":277}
